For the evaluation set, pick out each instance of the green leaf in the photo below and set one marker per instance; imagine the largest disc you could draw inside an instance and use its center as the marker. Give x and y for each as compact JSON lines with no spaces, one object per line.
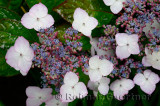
{"x":5,"y":13}
{"x":50,"y":4}
{"x":1,"y":104}
{"x":102,"y":100}
{"x":95,"y":8}
{"x":15,"y":28}
{"x":130,"y":103}
{"x":9,"y":32}
{"x":86,"y":43}
{"x":83,"y":78}
{"x":74,"y":103}
{"x":12,"y":4}
{"x":145,"y":102}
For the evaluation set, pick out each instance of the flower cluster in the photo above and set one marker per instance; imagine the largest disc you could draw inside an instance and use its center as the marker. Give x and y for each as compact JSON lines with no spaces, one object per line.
{"x":116,"y":54}
{"x":138,"y":13}
{"x":56,"y":58}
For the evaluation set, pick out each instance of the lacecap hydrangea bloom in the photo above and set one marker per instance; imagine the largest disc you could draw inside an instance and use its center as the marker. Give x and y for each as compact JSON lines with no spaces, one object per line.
{"x":37,"y":18}
{"x":20,"y":56}
{"x":37,"y":96}
{"x":147,"y":81}
{"x":83,"y":22}
{"x":72,"y":89}
{"x":115,"y":5}
{"x":127,"y":45}
{"x":99,"y":68}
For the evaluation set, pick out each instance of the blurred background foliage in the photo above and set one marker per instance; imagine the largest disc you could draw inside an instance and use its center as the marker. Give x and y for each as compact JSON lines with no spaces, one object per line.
{"x":13,"y":85}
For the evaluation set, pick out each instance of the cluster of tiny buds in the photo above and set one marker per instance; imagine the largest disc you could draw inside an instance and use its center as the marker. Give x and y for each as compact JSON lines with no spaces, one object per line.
{"x":56,"y":58}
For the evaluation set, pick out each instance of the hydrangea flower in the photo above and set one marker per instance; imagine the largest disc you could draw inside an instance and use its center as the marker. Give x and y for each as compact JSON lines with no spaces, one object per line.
{"x":99,"y":68}
{"x":101,"y":85}
{"x":147,"y":81}
{"x":55,"y":102}
{"x":121,"y":87}
{"x":127,"y":45}
{"x":115,"y":5}
{"x":72,"y":89}
{"x":83,"y":22}
{"x":36,"y":95}
{"x":151,"y":59}
{"x":37,"y":18}
{"x":20,"y":55}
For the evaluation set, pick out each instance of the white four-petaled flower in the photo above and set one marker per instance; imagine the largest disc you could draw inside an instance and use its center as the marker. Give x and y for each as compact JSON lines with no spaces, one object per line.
{"x":147,"y":81}
{"x":36,"y":95}
{"x":37,"y":18}
{"x":83,"y":22}
{"x":101,"y":85}
{"x":115,"y":5}
{"x":99,"y":68}
{"x":127,"y":45}
{"x":55,"y":101}
{"x":151,"y":59}
{"x":121,"y":87}
{"x":72,"y":89}
{"x":20,"y":55}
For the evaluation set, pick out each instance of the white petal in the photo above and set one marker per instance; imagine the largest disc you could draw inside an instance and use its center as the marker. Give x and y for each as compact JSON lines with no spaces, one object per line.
{"x":95,"y":75}
{"x":127,"y":84}
{"x":80,"y":90}
{"x":55,"y":102}
{"x":33,"y":102}
{"x":103,"y":88}
{"x":109,"y":2}
{"x":94,"y":62}
{"x":38,"y":10}
{"x":91,"y":23}
{"x":95,"y":93}
{"x":46,"y":22}
{"x":21,"y":45}
{"x":145,"y":61}
{"x":104,"y":80}
{"x":133,"y":48}
{"x":132,"y":38}
{"x":121,"y":39}
{"x":116,"y":7}
{"x":67,"y":93}
{"x":28,"y":21}
{"x":122,"y":52}
{"x":80,"y":14}
{"x":93,"y":85}
{"x":114,"y":85}
{"x":46,"y":94}
{"x":70,"y":78}
{"x":33,"y":91}
{"x":85,"y":31}
{"x":148,"y":88}
{"x":12,"y":58}
{"x":106,"y":67}
{"x":152,"y":77}
{"x":156,"y":65}
{"x":147,"y":73}
{"x":24,"y":66}
{"x":139,"y":79}
{"x":119,"y":93}
{"x":147,"y":51}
